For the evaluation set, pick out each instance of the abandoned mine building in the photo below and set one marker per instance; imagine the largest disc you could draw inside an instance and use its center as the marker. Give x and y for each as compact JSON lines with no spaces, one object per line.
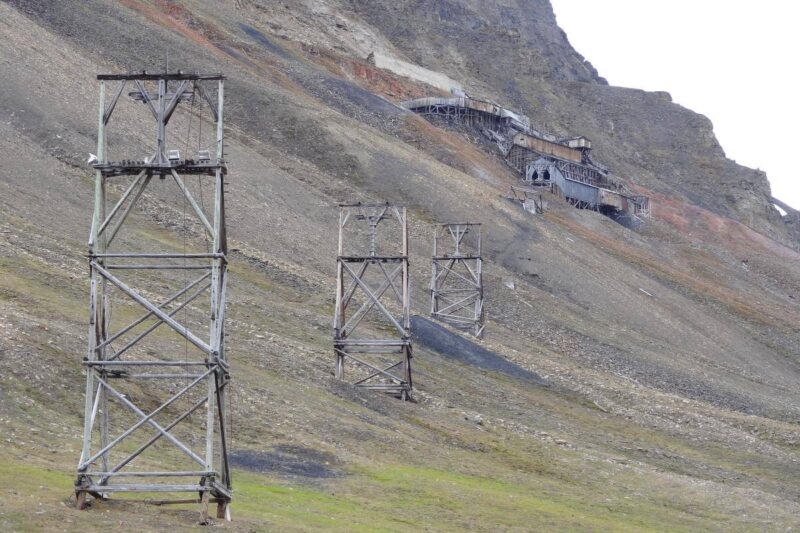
{"x":564,"y":165}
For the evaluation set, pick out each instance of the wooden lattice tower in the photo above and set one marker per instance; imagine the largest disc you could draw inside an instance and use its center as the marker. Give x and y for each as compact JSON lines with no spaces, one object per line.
{"x":372,"y":278}
{"x":154,"y":399}
{"x":457,"y":276}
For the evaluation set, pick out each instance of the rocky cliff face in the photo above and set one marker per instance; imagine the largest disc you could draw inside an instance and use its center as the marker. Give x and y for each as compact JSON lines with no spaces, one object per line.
{"x":503,"y":45}
{"x":513,"y":51}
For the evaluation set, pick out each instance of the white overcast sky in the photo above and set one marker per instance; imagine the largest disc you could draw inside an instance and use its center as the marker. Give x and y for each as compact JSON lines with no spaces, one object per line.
{"x":735,"y":61}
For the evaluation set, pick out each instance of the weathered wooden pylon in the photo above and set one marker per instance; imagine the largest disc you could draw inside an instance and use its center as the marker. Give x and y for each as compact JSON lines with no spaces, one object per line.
{"x":457,"y":276}
{"x":132,"y":385}
{"x":364,"y":277}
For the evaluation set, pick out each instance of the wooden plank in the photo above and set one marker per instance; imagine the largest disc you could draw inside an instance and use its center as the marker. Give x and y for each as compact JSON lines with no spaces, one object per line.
{"x":171,"y":76}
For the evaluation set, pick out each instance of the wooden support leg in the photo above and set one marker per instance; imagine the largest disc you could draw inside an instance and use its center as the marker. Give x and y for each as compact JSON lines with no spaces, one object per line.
{"x":80,"y":500}
{"x":204,"y":508}
{"x":223,"y":512}
{"x":339,"y":366}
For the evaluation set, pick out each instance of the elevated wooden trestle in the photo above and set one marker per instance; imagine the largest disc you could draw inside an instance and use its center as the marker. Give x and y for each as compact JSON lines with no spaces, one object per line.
{"x":138,"y":402}
{"x":384,"y":361}
{"x":457,"y":277}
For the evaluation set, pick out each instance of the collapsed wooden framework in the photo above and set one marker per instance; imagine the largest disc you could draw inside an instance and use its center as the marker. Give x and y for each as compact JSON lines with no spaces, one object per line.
{"x":530,"y":198}
{"x":457,"y":277}
{"x":641,"y":206}
{"x":378,"y":284}
{"x":130,"y":388}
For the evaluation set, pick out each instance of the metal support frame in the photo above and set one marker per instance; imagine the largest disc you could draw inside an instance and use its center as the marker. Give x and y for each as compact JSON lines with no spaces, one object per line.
{"x":457,"y":277}
{"x":388,"y":297}
{"x":203,"y":372}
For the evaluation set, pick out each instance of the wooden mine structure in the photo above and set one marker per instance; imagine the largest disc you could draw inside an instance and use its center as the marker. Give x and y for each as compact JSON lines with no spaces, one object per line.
{"x":372,"y":277}
{"x":141,"y":398}
{"x":457,"y":276}
{"x":563,"y":165}
{"x":470,"y":110}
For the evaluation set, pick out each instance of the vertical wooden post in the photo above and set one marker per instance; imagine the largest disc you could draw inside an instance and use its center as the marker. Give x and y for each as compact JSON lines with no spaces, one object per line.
{"x":406,"y":309}
{"x":94,"y":245}
{"x":217,"y":284}
{"x":339,"y":316}
{"x":434,"y":274}
{"x":479,"y":315}
{"x":103,"y":306}
{"x":221,"y":249}
{"x":204,"y":500}
{"x":161,"y":131}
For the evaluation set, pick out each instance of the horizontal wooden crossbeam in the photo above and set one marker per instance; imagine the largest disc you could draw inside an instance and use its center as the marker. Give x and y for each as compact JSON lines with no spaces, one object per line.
{"x":169,"y":76}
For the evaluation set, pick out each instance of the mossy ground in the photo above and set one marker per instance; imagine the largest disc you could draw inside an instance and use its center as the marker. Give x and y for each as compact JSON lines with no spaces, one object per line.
{"x":380,"y":498}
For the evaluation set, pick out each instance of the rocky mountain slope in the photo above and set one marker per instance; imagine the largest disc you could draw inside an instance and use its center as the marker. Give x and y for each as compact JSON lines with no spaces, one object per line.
{"x":640,"y":380}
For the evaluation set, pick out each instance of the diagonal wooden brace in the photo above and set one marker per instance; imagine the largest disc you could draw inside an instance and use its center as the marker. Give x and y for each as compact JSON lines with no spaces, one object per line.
{"x":183,"y":331}
{"x":376,"y":300}
{"x":365,"y":308}
{"x":145,"y":420}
